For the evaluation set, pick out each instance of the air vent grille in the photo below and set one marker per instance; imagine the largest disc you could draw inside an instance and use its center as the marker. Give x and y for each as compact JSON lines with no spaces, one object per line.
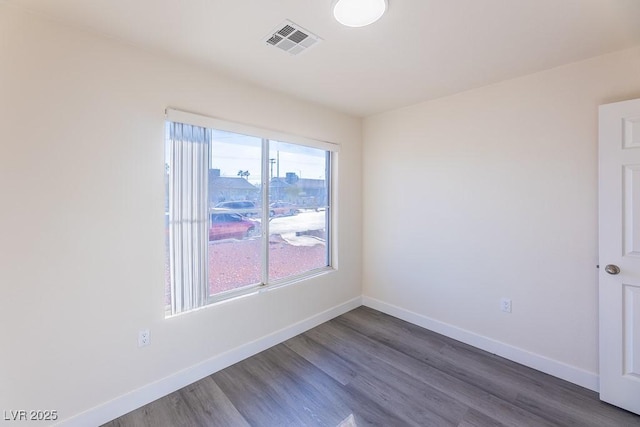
{"x":292,"y":38}
{"x":274,"y":39}
{"x":298,"y":36}
{"x":286,"y":30}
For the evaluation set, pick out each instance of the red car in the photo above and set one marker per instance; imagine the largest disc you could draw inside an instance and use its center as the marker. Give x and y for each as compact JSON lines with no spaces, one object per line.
{"x":230,"y":226}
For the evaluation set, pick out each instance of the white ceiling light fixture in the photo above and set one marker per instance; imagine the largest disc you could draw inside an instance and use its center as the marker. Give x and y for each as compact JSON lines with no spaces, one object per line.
{"x":358,"y":13}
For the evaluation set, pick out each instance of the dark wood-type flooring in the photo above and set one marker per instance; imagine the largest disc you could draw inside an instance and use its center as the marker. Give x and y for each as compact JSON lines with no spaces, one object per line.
{"x":368,"y":368}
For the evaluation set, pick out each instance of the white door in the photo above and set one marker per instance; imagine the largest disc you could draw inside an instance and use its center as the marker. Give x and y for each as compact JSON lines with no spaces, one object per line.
{"x":619,"y":274}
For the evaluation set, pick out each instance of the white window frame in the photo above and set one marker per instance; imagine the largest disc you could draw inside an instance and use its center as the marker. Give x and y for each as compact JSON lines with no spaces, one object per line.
{"x":179,"y":116}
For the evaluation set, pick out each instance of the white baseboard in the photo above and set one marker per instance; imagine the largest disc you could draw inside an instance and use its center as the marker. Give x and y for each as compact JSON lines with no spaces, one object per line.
{"x":541,"y":363}
{"x":147,"y":394}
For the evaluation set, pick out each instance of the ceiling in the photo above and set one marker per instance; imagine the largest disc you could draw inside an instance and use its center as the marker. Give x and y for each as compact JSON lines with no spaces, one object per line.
{"x":419,"y":50}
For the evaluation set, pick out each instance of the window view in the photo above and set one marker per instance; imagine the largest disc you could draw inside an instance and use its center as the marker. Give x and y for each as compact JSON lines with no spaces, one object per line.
{"x":298,"y":209}
{"x":225,"y":191}
{"x":234,"y":206}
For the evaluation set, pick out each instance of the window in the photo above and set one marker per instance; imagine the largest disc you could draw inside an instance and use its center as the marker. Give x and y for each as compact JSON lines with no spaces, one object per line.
{"x":246,"y":209}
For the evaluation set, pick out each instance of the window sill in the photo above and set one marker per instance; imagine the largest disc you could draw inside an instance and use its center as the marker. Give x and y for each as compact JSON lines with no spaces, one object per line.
{"x":251,"y":290}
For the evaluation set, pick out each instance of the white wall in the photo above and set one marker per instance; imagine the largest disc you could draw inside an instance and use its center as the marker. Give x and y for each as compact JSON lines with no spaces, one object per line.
{"x":493,"y":193}
{"x":81,"y":182}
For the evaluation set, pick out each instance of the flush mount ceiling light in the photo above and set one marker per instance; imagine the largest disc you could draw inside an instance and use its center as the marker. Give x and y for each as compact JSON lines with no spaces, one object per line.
{"x":358,"y":13}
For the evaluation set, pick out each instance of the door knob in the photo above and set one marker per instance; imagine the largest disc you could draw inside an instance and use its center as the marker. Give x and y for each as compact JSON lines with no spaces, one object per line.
{"x":612,"y":269}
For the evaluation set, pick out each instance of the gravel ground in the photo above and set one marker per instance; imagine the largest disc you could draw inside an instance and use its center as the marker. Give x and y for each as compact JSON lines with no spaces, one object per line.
{"x":235,"y":263}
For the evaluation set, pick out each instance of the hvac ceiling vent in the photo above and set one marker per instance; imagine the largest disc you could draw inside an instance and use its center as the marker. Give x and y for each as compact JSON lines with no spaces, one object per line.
{"x":292,"y":38}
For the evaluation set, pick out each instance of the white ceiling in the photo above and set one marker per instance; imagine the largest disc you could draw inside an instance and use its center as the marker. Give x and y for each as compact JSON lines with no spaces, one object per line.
{"x":419,"y":50}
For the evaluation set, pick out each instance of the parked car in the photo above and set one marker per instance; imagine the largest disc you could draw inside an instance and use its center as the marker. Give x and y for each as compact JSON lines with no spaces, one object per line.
{"x":242,"y":207}
{"x":282,"y":208}
{"x":230,"y":226}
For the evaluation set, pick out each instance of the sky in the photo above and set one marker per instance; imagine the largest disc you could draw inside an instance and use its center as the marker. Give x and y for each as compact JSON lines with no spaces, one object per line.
{"x":231,"y":152}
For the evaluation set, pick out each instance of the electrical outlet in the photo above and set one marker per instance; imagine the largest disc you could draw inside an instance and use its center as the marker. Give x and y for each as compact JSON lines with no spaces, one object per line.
{"x":505,"y":305}
{"x":144,"y":338}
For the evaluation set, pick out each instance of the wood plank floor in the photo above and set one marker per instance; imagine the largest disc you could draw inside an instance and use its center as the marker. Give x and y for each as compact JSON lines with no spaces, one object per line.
{"x":367,"y":368}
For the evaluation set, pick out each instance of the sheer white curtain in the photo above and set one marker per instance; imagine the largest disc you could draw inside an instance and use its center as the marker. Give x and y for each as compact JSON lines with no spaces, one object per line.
{"x":188,"y":215}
